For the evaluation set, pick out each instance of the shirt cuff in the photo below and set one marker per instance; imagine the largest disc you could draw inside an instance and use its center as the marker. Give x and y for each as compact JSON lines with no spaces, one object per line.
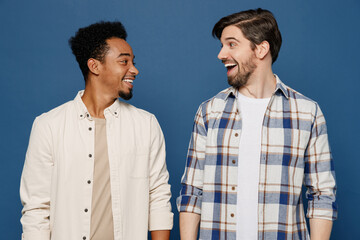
{"x":161,"y":221}
{"x":327,"y":211}
{"x":186,"y":203}
{"x":43,"y":235}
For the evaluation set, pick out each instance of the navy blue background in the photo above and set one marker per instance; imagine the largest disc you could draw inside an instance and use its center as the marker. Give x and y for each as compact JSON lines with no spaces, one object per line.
{"x":176,"y":56}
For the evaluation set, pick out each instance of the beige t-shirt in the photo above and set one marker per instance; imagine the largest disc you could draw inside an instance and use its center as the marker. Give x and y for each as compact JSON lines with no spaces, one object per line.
{"x":102,"y":226}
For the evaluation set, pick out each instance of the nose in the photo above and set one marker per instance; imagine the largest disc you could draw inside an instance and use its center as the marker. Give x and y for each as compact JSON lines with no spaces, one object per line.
{"x":133,"y":70}
{"x":222,"y":54}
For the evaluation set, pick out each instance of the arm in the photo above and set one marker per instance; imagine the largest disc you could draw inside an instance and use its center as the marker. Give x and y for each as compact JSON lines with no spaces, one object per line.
{"x":320,"y":180}
{"x":160,"y":215}
{"x":190,"y":199}
{"x":189,"y":225}
{"x":160,"y":235}
{"x":320,"y":229}
{"x":35,"y":185}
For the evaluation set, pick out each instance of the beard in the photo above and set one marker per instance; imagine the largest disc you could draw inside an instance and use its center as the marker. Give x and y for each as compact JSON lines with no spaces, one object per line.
{"x":245,"y":70}
{"x":126,"y":96}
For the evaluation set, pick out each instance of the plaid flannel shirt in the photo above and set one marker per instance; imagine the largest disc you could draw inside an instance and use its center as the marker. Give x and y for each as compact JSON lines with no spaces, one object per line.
{"x":294,"y":150}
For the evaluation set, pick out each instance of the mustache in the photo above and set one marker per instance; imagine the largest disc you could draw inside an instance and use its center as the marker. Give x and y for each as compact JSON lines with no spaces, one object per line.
{"x":229,"y":61}
{"x":130,"y":76}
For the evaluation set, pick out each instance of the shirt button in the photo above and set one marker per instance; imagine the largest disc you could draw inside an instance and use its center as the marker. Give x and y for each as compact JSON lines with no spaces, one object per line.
{"x":81,"y":115}
{"x":86,"y":210}
{"x":90,"y":128}
{"x":115,"y":113}
{"x":232,"y":215}
{"x":236,"y":134}
{"x":87,"y":115}
{"x":233,"y":188}
{"x":88,"y":181}
{"x":84,"y":237}
{"x":233,"y":161}
{"x":90,"y":155}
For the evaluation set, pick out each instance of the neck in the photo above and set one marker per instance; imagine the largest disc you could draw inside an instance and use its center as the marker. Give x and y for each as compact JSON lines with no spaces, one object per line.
{"x":95,"y":100}
{"x":261,"y":84}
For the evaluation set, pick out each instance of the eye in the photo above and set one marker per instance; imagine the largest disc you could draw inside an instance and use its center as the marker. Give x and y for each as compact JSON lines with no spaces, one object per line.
{"x":232,"y":44}
{"x":125,"y":62}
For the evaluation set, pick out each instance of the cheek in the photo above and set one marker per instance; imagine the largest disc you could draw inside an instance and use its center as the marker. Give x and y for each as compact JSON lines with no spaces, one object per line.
{"x":121,"y":72}
{"x":237,"y":58}
{"x":237,"y":55}
{"x":242,"y":58}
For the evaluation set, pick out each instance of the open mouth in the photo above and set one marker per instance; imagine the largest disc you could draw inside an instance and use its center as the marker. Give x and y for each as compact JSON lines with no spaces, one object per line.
{"x":128,"y":82}
{"x":230,"y":67}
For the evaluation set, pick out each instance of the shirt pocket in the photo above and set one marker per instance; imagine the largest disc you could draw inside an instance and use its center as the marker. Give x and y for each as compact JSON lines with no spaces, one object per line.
{"x":137,"y":165}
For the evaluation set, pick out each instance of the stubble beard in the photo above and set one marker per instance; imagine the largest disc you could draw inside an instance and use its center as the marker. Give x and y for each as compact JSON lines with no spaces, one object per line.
{"x":245,"y":70}
{"x":126,"y":96}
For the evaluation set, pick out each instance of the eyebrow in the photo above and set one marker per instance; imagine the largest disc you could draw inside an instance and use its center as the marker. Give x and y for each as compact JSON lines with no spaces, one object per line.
{"x":232,"y":38}
{"x":124,"y":54}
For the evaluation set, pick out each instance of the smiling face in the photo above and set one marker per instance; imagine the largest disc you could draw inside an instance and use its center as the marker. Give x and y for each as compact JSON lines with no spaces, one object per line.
{"x":237,"y":55}
{"x":117,"y":71}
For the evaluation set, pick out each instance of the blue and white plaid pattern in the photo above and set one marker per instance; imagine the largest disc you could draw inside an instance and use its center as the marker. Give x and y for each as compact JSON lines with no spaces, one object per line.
{"x":294,"y":151}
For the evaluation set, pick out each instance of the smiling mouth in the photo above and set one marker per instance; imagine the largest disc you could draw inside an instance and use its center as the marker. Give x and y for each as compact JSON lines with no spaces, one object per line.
{"x":230,"y":66}
{"x":128,"y":80}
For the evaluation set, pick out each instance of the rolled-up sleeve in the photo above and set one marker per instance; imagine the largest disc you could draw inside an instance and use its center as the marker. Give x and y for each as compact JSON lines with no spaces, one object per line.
{"x":35,"y":184}
{"x":320,"y":173}
{"x":160,"y":215}
{"x":190,"y":198}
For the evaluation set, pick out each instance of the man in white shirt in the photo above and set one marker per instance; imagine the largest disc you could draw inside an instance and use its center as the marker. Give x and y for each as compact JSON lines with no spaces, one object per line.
{"x":95,"y":166}
{"x":254,"y":145}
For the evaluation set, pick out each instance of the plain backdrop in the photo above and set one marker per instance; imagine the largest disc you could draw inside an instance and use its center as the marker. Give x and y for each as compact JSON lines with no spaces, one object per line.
{"x":176,"y":57}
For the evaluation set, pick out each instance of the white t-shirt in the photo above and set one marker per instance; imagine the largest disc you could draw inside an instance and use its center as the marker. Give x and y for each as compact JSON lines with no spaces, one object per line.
{"x":252,"y":112}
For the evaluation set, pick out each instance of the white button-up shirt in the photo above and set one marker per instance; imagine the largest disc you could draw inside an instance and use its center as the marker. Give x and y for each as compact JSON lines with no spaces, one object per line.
{"x":56,"y":183}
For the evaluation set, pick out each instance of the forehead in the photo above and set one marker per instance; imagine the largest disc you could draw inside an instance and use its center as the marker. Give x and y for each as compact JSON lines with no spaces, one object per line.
{"x":231,"y":32}
{"x":117,"y":46}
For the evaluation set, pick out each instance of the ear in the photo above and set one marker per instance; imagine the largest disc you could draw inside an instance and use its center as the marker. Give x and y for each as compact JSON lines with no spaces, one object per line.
{"x":262,"y":50}
{"x":93,"y":66}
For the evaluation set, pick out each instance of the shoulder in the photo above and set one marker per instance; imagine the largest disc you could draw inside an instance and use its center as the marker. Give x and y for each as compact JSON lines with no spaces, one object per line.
{"x":134,"y":112}
{"x":218,"y":101}
{"x":303,"y":103}
{"x":45,"y":124}
{"x":54,"y":114}
{"x":141,"y":121}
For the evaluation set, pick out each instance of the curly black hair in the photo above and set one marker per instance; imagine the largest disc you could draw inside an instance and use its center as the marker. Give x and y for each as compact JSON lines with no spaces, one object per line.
{"x":90,"y":42}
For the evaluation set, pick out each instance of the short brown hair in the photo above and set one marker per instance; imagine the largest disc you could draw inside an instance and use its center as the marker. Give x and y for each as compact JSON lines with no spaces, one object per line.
{"x":257,"y":25}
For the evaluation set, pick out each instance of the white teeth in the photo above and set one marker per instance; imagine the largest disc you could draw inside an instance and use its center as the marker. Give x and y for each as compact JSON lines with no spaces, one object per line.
{"x":128,"y":80}
{"x":230,"y":65}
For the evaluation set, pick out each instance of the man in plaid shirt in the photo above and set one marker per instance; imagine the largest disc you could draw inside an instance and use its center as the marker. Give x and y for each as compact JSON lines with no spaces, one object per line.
{"x":253,"y":146}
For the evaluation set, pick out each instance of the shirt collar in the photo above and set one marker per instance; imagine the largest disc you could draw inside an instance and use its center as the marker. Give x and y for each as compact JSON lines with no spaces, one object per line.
{"x":280,"y":87}
{"x":83,"y":113}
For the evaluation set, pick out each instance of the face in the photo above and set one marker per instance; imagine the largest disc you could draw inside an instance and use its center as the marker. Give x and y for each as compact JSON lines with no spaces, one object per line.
{"x":237,"y":55}
{"x":117,"y":71}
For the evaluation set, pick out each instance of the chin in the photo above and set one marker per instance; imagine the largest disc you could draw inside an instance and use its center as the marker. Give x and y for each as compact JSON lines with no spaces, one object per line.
{"x":239,"y":80}
{"x":125,"y":96}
